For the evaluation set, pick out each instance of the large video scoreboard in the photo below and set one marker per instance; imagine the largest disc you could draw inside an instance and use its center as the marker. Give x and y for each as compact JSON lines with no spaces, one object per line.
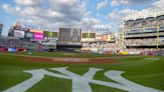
{"x":69,"y":35}
{"x":69,"y":38}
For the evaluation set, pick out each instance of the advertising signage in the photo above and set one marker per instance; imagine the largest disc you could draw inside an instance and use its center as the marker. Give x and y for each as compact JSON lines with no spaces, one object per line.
{"x":29,"y":35}
{"x":106,"y":38}
{"x":19,"y":34}
{"x":50,"y":34}
{"x":38,"y":36}
{"x":88,"y":35}
{"x":37,"y":27}
{"x":36,"y":31}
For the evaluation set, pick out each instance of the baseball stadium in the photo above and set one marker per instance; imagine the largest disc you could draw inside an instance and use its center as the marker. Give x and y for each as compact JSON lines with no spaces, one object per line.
{"x":34,"y":59}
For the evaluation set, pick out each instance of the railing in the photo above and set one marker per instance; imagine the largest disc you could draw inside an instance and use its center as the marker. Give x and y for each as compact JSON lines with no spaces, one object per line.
{"x":144,"y":35}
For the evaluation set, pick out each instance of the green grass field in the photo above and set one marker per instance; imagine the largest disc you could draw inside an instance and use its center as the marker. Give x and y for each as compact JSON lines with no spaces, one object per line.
{"x":147,"y":72}
{"x":65,"y":54}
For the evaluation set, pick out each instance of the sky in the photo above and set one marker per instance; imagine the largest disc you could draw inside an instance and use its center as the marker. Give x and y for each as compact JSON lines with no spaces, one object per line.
{"x":90,"y":15}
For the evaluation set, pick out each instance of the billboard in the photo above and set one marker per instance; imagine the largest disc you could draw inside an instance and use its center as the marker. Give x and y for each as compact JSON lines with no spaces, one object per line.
{"x":69,"y":34}
{"x":88,"y":35}
{"x":64,"y":34}
{"x":29,"y":35}
{"x":12,"y":49}
{"x":35,"y":31}
{"x":38,"y":36}
{"x":106,"y":38}
{"x":99,"y":37}
{"x":75,"y":35}
{"x":50,"y":34}
{"x":19,"y":33}
{"x":88,"y":40}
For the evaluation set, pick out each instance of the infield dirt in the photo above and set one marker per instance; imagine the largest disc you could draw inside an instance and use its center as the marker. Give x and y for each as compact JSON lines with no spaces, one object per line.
{"x":67,"y":60}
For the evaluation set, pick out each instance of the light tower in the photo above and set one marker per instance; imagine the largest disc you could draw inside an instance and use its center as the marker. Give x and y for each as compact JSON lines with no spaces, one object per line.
{"x":1,"y":27}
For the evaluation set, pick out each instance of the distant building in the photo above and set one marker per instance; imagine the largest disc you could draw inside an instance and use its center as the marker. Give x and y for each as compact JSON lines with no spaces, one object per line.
{"x":1,"y":27}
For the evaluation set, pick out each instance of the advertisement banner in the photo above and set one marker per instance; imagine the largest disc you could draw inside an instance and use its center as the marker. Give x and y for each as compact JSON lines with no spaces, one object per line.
{"x":88,"y":40}
{"x":50,"y":34}
{"x":106,"y":38}
{"x":11,"y":49}
{"x":38,"y":36}
{"x":19,"y":34}
{"x":99,"y":37}
{"x":29,"y":35}
{"x":88,"y":35}
{"x":35,"y":31}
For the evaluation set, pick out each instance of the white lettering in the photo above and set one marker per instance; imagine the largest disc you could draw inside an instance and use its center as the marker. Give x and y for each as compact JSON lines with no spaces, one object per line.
{"x":81,"y":83}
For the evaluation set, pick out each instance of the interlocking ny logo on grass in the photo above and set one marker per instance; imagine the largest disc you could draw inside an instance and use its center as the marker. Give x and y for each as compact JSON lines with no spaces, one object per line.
{"x":81,"y":83}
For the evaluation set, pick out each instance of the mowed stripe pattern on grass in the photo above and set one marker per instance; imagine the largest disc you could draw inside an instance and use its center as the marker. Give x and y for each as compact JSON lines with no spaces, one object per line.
{"x":139,"y":70}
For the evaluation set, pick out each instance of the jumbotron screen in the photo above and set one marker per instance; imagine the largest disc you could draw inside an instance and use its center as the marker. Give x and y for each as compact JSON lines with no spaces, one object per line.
{"x":38,"y":34}
{"x":88,"y":35}
{"x":19,"y":33}
{"x":29,"y":35}
{"x":69,"y":35}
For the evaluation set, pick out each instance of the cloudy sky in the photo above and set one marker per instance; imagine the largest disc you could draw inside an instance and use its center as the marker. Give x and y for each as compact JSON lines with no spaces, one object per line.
{"x":87,"y":14}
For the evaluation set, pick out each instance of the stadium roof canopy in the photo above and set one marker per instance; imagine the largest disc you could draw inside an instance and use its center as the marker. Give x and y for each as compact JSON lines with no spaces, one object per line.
{"x":153,"y":13}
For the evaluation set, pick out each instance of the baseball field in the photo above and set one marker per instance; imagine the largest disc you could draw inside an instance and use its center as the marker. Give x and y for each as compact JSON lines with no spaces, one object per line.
{"x":80,"y":72}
